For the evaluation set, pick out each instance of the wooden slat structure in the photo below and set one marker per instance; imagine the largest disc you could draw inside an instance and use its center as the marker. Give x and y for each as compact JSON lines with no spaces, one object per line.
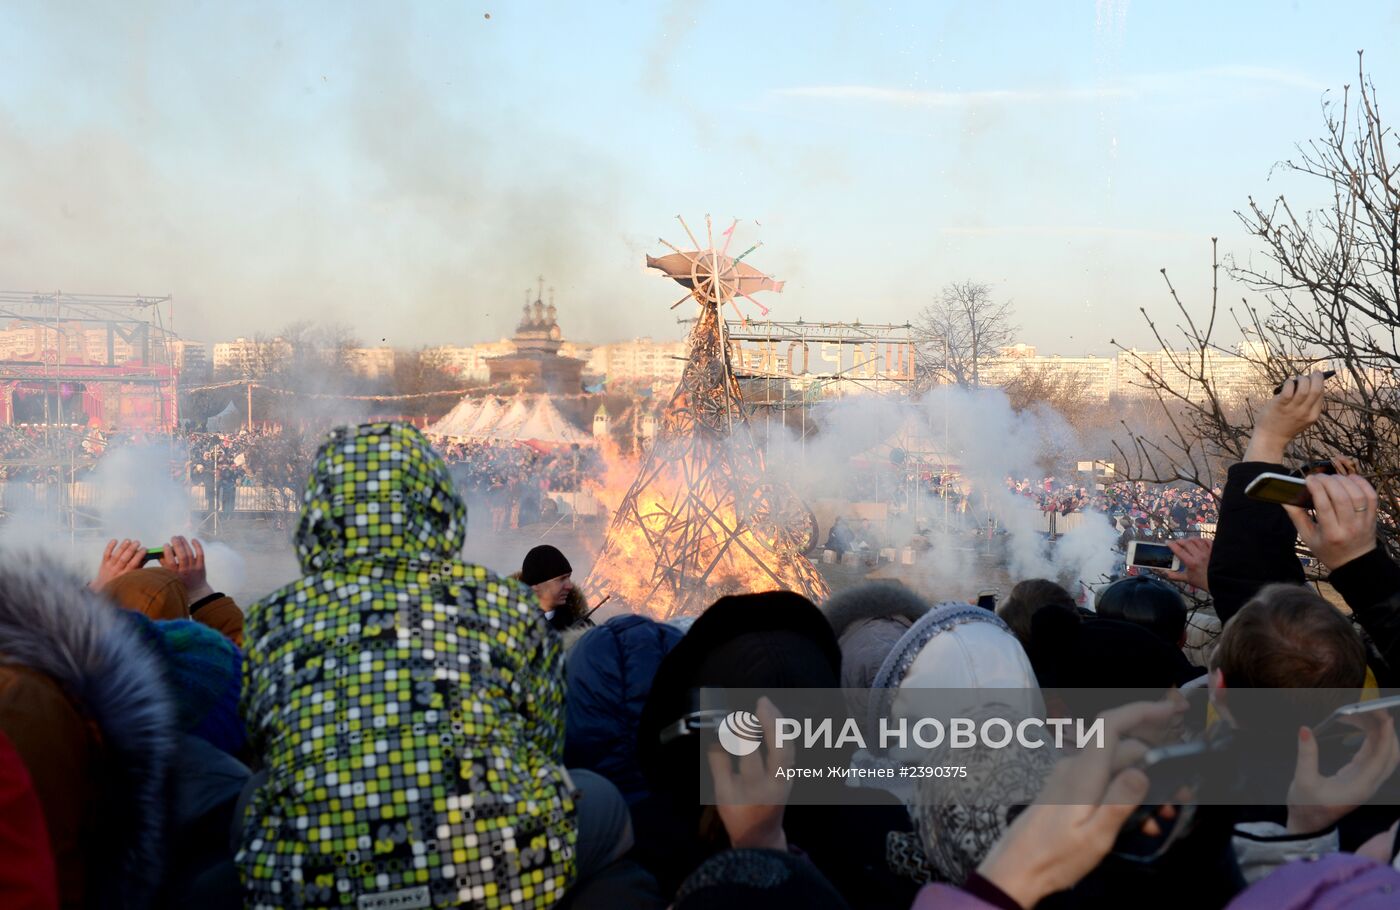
{"x":703,"y":518}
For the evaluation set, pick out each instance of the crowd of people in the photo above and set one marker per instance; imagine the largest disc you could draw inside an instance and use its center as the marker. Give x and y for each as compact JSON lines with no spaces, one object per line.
{"x":401,"y":728}
{"x":481,"y":466}
{"x":1146,"y":510}
{"x":507,"y":477}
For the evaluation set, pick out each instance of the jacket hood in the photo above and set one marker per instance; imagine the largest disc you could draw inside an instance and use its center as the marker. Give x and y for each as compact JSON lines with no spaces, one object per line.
{"x":873,"y":600}
{"x":153,"y":592}
{"x":962,"y":651}
{"x":959,"y":819}
{"x":51,"y":623}
{"x":610,"y":673}
{"x":378,"y":492}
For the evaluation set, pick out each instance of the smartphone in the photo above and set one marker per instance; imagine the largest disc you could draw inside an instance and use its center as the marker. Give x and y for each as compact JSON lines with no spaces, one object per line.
{"x":987,"y":600}
{"x":1173,"y":773}
{"x":1326,"y":374}
{"x":1147,"y":555}
{"x":1321,"y":466}
{"x":1280,"y":489}
{"x":153,"y":554}
{"x":1169,"y":769}
{"x":1334,"y":727}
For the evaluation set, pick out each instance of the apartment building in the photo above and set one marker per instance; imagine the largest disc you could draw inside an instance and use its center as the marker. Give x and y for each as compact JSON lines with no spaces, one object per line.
{"x":249,"y":357}
{"x":1233,"y":375}
{"x":371,"y":363}
{"x":641,"y":361}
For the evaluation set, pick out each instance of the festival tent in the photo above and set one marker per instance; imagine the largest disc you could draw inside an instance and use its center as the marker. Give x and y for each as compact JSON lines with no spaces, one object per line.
{"x":459,"y":420}
{"x":548,"y":426}
{"x":486,"y":417}
{"x":226,"y":421}
{"x":505,"y":425}
{"x":913,"y":441}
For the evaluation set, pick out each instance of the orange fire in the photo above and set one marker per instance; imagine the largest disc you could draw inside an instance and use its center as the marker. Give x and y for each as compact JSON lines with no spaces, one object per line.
{"x":684,"y":541}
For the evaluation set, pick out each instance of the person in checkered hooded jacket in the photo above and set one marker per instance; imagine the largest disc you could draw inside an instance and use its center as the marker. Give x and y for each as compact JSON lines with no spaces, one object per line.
{"x":407,"y":706}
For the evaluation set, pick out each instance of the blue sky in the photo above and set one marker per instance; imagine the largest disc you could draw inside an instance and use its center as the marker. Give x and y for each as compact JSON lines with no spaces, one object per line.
{"x":410,"y":171}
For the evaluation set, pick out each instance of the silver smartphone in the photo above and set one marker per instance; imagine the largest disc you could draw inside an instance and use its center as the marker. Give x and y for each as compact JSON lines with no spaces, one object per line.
{"x":1280,"y":489}
{"x":1148,"y":555}
{"x":1333,"y":726}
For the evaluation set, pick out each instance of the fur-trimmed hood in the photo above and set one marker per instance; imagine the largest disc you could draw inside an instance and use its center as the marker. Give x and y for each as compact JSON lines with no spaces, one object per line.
{"x":51,"y":623}
{"x":873,"y":600}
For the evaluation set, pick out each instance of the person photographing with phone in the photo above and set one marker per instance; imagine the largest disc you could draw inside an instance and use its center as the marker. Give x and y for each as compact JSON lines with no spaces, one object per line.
{"x":1255,"y":539}
{"x":178,"y":588}
{"x":1258,"y":585}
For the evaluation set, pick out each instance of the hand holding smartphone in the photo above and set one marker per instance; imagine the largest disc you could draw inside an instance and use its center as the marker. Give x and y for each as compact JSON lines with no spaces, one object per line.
{"x":1281,"y":489}
{"x":1148,"y":555}
{"x":1336,"y":725}
{"x":1326,"y":374}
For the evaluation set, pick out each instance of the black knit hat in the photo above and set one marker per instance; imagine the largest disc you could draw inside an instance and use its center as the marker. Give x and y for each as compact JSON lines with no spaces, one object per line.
{"x":776,"y":639}
{"x":1147,"y":601}
{"x":1101,"y":659}
{"x":736,"y":879}
{"x":543,"y":563}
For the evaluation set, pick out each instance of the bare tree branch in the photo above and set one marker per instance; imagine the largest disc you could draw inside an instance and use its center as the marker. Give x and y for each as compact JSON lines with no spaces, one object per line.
{"x":959,"y":333}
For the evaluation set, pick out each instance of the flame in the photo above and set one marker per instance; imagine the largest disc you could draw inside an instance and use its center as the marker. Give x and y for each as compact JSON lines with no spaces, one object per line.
{"x":677,"y":524}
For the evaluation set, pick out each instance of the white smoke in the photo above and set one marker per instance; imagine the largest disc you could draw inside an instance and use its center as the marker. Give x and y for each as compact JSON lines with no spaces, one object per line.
{"x":137,"y":497}
{"x":979,"y":433}
{"x":130,"y":495}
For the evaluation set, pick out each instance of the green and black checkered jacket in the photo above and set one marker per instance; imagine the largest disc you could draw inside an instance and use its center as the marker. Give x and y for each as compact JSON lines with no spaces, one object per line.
{"x":408,"y":706}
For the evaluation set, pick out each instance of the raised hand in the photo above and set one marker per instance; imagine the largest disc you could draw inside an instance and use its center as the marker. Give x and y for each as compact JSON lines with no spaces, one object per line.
{"x":1194,"y":553}
{"x":117,"y":560}
{"x":1076,"y":819}
{"x":1343,"y":524}
{"x":1316,"y":802}
{"x":751,"y":801}
{"x":1286,"y":415}
{"x":186,"y":559}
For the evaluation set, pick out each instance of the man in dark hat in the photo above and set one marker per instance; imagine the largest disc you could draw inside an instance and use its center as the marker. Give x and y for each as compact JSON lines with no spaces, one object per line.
{"x":549,"y":574}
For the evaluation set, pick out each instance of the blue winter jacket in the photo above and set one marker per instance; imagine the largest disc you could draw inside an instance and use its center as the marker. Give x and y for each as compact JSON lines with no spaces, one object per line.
{"x":609,"y":673}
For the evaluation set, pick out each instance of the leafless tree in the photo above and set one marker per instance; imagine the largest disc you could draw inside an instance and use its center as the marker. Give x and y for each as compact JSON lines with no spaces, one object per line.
{"x":1328,"y":287}
{"x":958,"y":333}
{"x":1064,"y":391}
{"x":423,"y":371}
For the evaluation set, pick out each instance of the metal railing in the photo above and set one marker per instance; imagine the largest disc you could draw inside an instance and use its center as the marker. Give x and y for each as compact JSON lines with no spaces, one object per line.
{"x":22,"y":496}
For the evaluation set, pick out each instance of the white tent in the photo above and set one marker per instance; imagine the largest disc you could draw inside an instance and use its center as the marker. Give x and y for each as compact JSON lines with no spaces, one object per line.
{"x":913,"y":440}
{"x":486,"y":417}
{"x":226,"y":421}
{"x":547,"y":425}
{"x":458,"y":421}
{"x":504,"y":426}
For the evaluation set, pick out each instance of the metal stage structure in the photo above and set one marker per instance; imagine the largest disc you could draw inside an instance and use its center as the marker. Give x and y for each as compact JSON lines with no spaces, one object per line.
{"x":87,"y":360}
{"x":834,"y":357}
{"x":785,"y":368}
{"x":703,"y":518}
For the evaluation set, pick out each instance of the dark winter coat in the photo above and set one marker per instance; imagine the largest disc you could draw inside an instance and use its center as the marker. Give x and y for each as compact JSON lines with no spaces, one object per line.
{"x":609,"y":673}
{"x":1253,"y":543}
{"x":1254,"y":547}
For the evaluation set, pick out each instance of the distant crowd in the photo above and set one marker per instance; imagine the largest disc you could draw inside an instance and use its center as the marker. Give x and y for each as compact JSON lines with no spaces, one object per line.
{"x":1143,"y":510}
{"x":279,"y":458}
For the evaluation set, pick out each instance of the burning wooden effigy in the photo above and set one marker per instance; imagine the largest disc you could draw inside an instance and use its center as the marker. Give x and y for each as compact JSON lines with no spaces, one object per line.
{"x":703,"y":518}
